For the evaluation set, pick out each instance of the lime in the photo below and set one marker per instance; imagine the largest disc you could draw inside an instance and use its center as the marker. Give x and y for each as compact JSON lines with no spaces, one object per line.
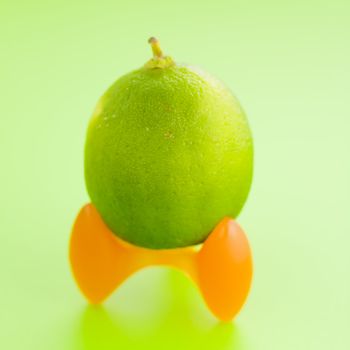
{"x":168,"y":154}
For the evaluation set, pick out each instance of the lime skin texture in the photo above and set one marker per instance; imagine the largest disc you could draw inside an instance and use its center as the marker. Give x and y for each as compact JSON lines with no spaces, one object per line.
{"x":168,"y":154}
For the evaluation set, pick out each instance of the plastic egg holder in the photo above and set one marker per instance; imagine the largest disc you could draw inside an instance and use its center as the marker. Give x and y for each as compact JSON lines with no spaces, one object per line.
{"x":221,"y":267}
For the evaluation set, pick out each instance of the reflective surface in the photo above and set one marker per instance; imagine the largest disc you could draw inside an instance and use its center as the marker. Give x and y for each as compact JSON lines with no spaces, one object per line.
{"x":177,"y":324}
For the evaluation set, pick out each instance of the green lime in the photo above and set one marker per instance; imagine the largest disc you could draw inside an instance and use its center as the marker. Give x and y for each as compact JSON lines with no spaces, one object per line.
{"x":168,"y":154}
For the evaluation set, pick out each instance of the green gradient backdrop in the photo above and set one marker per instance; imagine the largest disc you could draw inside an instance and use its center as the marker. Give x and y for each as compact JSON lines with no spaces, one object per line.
{"x":287,"y":61}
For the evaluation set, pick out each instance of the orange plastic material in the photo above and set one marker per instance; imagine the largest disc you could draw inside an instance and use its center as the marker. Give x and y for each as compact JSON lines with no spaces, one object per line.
{"x":222,"y":268}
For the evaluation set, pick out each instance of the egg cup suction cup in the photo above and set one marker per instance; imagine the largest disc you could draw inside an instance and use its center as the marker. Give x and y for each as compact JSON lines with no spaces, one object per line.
{"x":221,"y":267}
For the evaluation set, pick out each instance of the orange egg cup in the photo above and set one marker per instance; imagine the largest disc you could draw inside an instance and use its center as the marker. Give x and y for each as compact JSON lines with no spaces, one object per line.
{"x":221,"y":267}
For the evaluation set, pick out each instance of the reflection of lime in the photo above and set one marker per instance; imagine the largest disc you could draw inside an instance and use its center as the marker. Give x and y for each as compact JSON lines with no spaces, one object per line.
{"x":168,"y":155}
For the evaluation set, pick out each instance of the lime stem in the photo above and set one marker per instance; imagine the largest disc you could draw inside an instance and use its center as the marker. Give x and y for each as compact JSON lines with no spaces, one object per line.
{"x":157,"y":52}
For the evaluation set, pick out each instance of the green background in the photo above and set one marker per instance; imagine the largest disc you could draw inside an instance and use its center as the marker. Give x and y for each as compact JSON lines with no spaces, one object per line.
{"x":288,"y":63}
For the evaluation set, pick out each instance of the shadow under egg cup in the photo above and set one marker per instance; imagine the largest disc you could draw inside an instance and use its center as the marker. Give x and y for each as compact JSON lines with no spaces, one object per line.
{"x":221,"y":267}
